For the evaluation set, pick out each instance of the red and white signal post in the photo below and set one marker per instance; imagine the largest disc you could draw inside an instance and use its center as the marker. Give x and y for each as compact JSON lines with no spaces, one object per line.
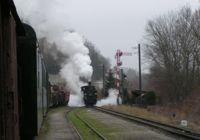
{"x":118,"y":55}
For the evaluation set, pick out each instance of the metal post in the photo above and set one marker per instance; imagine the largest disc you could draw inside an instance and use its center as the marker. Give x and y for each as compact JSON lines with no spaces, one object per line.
{"x":103,"y":75}
{"x":140,"y":76}
{"x":122,"y":85}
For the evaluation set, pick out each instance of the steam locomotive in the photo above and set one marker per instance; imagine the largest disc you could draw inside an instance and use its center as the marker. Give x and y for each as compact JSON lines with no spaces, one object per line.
{"x":89,"y":94}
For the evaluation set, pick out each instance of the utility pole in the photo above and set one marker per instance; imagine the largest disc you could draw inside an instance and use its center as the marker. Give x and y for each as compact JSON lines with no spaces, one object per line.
{"x":103,"y":75}
{"x":140,"y":76}
{"x":122,"y":85}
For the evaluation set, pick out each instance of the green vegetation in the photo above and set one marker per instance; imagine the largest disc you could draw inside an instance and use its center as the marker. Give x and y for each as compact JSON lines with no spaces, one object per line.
{"x":100,"y":127}
{"x":150,"y":98}
{"x":97,"y":61}
{"x":85,"y":132}
{"x":109,"y":82}
{"x":143,"y":98}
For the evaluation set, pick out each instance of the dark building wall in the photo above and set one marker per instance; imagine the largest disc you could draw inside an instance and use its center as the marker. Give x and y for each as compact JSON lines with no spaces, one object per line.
{"x":9,"y":129}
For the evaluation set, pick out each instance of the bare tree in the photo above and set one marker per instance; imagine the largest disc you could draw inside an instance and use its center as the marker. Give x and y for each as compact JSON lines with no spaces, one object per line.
{"x":174,"y":48}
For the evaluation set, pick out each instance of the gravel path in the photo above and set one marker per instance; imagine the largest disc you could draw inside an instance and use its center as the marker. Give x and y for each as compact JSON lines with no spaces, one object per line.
{"x":127,"y":130}
{"x":59,"y":128}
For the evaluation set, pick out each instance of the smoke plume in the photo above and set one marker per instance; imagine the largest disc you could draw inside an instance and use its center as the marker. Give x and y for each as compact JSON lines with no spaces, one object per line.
{"x":110,"y":100}
{"x":49,"y":19}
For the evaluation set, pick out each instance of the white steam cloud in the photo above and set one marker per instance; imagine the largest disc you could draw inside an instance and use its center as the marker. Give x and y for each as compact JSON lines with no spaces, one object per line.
{"x":49,"y":19}
{"x":111,"y":99}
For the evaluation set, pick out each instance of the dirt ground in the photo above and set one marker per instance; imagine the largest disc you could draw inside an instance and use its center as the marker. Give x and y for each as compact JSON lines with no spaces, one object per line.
{"x":128,"y":130}
{"x":57,"y":127}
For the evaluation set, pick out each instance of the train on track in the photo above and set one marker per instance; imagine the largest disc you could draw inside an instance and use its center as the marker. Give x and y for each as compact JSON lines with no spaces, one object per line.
{"x":59,"y":96}
{"x":89,"y":94}
{"x":33,"y":84}
{"x":25,"y":90}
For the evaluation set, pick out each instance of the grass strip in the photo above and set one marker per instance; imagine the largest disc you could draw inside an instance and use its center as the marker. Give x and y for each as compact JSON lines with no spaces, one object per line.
{"x":106,"y":130}
{"x":84,"y":131}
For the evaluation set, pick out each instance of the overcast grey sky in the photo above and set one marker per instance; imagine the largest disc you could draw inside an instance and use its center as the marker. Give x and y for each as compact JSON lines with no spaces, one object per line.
{"x":118,"y":24}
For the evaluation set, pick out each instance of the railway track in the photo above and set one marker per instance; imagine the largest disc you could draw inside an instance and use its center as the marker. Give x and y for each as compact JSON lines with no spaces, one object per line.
{"x":181,"y":132}
{"x":74,"y":128}
{"x":90,"y":127}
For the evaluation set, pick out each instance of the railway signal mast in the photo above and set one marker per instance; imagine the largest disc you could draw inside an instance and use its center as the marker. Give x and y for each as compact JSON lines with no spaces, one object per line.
{"x":118,"y":55}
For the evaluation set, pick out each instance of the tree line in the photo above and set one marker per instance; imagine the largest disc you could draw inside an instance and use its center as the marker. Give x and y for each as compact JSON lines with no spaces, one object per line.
{"x":173,"y":46}
{"x":54,"y":58}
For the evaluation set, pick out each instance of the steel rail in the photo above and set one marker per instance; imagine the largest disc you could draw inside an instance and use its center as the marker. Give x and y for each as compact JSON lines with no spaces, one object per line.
{"x":90,"y":127}
{"x":81,"y":138}
{"x":161,"y":126}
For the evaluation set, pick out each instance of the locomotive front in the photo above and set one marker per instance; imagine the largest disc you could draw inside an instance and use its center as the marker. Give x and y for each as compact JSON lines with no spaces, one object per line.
{"x":89,"y":94}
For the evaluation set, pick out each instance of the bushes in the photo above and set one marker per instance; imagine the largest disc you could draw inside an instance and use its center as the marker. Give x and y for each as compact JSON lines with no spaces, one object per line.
{"x":143,"y":97}
{"x":149,"y":98}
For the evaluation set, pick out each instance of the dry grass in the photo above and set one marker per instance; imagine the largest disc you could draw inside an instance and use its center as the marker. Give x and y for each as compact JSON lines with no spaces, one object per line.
{"x":140,"y":112}
{"x":161,"y":114}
